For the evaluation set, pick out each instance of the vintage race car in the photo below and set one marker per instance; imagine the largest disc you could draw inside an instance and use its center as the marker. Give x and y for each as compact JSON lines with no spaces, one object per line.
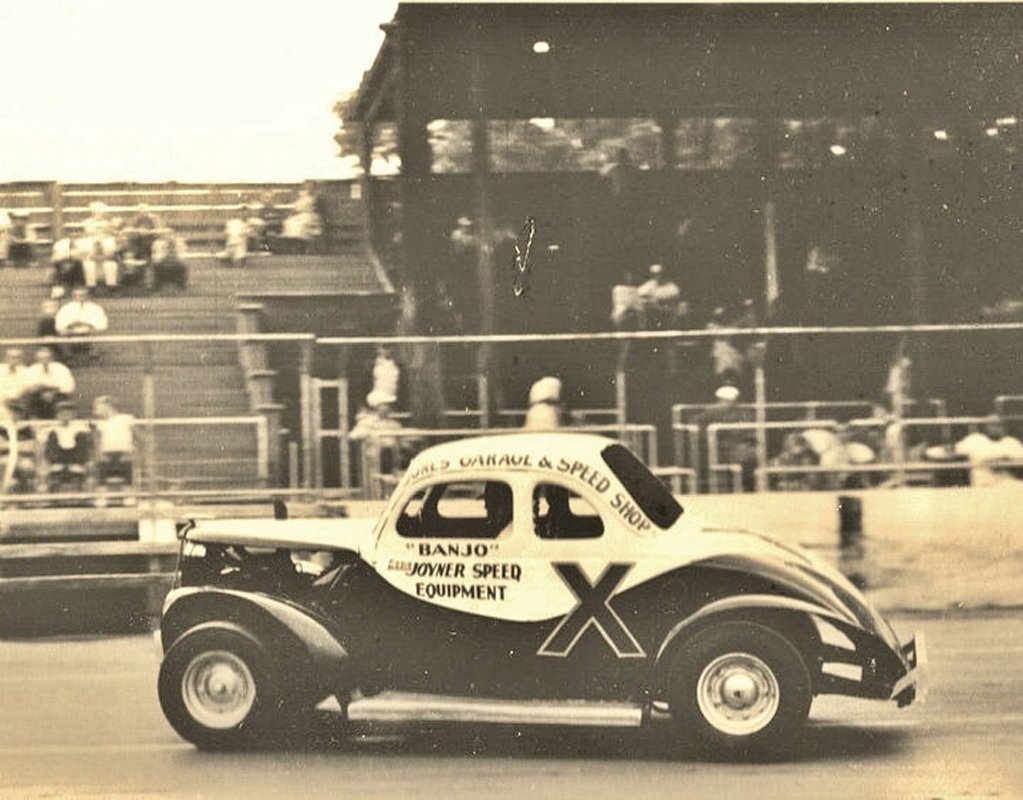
{"x":526,"y":578}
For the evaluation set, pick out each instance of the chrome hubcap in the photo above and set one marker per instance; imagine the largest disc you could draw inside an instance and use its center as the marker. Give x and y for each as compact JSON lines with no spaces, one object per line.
{"x":218,"y":689}
{"x":738,"y":694}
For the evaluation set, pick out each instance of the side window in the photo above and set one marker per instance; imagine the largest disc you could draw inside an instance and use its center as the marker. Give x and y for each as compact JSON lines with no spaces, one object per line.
{"x":559,"y":513}
{"x":458,"y":510}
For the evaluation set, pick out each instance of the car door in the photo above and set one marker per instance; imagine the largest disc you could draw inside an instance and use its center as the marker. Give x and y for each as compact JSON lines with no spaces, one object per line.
{"x":587,"y":647}
{"x":443,"y":558}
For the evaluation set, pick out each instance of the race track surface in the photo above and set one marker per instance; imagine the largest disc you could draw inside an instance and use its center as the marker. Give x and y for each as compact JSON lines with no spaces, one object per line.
{"x":79,"y":718}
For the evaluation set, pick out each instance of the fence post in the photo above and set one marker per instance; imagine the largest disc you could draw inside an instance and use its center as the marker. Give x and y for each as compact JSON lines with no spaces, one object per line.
{"x":760,"y":389}
{"x":621,"y":407}
{"x":56,"y":210}
{"x":306,"y":398}
{"x":149,"y":413}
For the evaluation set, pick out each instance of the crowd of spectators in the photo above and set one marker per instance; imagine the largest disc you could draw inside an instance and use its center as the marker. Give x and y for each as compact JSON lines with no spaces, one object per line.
{"x":262,"y":228}
{"x":52,"y":447}
{"x":112,"y":255}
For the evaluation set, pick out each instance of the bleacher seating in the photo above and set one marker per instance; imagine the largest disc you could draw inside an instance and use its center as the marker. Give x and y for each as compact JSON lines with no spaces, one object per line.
{"x":190,"y":379}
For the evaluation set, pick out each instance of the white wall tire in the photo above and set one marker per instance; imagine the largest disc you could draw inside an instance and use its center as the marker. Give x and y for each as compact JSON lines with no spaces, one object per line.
{"x":739,"y":689}
{"x":216,"y":689}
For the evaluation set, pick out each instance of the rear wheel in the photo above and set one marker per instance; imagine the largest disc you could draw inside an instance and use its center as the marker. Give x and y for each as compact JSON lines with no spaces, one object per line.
{"x":216,"y":689}
{"x":739,"y":689}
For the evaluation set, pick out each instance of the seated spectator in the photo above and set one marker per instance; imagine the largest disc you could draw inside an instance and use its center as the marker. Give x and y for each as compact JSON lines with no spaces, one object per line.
{"x":5,"y":234}
{"x":168,"y":265}
{"x":46,"y":326}
{"x":101,"y":260}
{"x":68,"y":270}
{"x":256,"y":229}
{"x":986,"y":450}
{"x":837,"y":449}
{"x":660,"y":301}
{"x":142,"y":232}
{"x":795,"y":452}
{"x":13,"y":374}
{"x":236,"y":240}
{"x":114,"y":441}
{"x":24,"y":448}
{"x":47,"y":383}
{"x":21,"y":240}
{"x":304,"y":225}
{"x":273,"y":221}
{"x":68,"y":449}
{"x":80,"y":317}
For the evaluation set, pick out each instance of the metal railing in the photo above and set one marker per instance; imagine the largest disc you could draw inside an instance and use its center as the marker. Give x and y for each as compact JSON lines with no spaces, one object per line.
{"x":145,"y":461}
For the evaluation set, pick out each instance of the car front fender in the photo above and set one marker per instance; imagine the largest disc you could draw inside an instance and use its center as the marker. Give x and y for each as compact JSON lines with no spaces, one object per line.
{"x":299,"y":645}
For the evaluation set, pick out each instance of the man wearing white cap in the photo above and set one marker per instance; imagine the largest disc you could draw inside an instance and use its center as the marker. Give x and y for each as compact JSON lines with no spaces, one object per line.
{"x":545,"y":409}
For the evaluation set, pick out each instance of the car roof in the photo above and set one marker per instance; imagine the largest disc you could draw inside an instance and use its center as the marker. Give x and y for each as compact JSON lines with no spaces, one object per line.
{"x":483,"y":452}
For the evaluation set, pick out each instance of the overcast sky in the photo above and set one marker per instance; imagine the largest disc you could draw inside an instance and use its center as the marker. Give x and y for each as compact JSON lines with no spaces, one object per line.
{"x":191,"y":90}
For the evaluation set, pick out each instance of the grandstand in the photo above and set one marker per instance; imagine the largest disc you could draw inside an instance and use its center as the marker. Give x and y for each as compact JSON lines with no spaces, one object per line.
{"x":182,"y":383}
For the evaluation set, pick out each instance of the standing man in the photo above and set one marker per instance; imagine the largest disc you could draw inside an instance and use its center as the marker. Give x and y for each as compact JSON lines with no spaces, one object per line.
{"x":545,"y":408}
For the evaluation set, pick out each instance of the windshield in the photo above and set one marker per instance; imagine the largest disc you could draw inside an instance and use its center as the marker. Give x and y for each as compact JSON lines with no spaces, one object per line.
{"x":649,"y":494}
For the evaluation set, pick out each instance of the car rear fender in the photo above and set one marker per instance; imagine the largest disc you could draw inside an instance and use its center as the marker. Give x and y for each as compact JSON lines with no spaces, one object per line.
{"x":791,"y":616}
{"x":298,"y":645}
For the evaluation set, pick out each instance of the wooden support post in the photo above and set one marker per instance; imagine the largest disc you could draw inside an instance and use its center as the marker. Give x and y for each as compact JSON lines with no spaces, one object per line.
{"x":150,"y":482}
{"x":57,"y":211}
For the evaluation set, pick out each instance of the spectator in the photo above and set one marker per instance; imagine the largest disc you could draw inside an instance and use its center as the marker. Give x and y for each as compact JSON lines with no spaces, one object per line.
{"x":372,"y":425}
{"x":46,"y":326}
{"x":386,"y":378}
{"x":256,"y":229}
{"x":660,"y":301}
{"x":835,"y":450}
{"x":21,"y":240}
{"x":13,"y":377}
{"x":272,"y":219}
{"x":142,"y":233}
{"x":99,"y":247}
{"x":625,"y":305}
{"x":101,"y":260}
{"x":67,"y":450}
{"x":305,"y":224}
{"x":168,"y":263}
{"x":898,"y":388}
{"x":115,"y":442}
{"x":5,"y":235}
{"x":47,"y":383}
{"x":68,"y":269}
{"x":236,"y":240}
{"x":985,"y":449}
{"x":735,"y":446}
{"x":80,"y":317}
{"x":545,"y":408}
{"x":795,"y":452}
{"x":24,"y":449}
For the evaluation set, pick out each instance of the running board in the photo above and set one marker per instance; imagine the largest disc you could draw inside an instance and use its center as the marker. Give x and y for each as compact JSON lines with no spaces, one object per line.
{"x":400,"y":707}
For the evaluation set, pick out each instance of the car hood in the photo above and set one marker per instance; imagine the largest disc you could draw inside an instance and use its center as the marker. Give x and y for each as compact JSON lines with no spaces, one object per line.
{"x":305,"y":534}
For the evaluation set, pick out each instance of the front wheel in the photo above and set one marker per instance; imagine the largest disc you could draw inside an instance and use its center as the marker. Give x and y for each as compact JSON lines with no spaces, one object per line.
{"x":216,"y":689}
{"x":739,"y":689}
